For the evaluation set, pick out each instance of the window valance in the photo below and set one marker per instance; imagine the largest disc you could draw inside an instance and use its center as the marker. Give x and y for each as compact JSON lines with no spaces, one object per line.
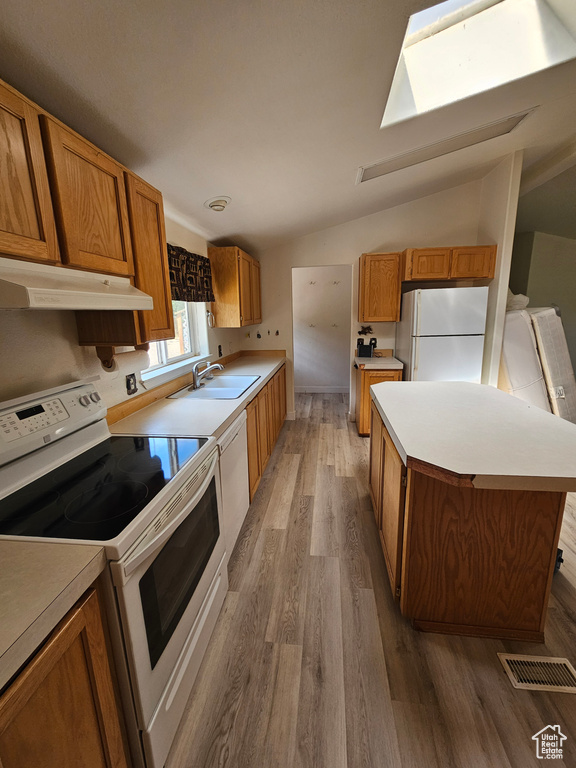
{"x":190,"y":275}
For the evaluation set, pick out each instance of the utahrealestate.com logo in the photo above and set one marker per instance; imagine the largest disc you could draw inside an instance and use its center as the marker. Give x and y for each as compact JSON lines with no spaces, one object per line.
{"x":549,"y":743}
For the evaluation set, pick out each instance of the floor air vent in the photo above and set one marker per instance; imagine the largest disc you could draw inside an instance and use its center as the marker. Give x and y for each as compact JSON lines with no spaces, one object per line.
{"x":539,"y":673}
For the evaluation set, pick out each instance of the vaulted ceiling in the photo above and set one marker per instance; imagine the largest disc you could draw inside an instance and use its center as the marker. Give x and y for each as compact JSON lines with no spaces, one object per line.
{"x":274,"y":104}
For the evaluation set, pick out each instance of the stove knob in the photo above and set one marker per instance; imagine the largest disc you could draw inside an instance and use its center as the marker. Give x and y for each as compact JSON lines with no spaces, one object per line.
{"x":95,"y":397}
{"x":84,"y":400}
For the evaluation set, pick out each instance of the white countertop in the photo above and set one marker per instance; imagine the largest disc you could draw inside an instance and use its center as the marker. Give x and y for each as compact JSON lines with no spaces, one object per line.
{"x":200,"y":418}
{"x":379,"y":363}
{"x":39,"y":583}
{"x":479,"y":431}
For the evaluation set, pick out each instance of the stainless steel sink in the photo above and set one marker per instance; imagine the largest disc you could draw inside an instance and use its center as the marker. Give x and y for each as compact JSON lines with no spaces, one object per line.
{"x":221,"y":387}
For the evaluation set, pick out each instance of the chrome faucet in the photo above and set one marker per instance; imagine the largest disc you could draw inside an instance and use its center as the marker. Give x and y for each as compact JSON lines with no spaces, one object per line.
{"x":198,"y":376}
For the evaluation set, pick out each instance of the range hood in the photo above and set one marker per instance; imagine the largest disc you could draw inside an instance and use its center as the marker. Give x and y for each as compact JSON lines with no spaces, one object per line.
{"x":24,"y":285}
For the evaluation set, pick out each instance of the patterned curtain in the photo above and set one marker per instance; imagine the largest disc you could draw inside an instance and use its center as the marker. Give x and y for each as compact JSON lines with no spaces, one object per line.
{"x":190,"y":275}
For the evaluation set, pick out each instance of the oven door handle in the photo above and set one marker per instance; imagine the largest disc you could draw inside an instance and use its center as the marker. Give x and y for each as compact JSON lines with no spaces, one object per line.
{"x":143,"y":549}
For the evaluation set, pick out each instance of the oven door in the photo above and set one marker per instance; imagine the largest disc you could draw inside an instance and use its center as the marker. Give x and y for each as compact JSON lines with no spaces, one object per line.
{"x":170,"y":587}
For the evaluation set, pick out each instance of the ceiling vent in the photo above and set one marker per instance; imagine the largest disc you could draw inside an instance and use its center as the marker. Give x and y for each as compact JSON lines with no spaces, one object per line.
{"x":440,"y":148}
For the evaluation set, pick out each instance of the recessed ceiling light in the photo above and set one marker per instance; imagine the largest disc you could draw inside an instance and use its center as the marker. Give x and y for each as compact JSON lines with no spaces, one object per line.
{"x":217,"y":203}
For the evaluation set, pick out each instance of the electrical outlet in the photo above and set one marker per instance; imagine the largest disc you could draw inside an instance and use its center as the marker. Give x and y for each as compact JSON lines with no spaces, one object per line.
{"x":131,"y":387}
{"x":219,"y":350}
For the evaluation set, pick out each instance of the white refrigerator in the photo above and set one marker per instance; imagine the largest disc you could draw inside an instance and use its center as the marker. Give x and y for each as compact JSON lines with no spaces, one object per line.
{"x":440,"y":336}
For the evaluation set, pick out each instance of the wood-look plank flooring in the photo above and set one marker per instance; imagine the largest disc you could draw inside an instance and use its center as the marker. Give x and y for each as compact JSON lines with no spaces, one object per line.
{"x":311,"y":664}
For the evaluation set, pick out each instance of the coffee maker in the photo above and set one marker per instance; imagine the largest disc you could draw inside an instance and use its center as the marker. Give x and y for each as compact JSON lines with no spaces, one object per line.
{"x":366,"y":350}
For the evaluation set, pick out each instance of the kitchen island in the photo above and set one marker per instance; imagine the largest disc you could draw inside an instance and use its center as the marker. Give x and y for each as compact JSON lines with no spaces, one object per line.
{"x":468,"y":485}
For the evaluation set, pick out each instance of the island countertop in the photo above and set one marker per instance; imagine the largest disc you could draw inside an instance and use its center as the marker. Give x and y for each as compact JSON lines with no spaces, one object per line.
{"x":482,"y":436}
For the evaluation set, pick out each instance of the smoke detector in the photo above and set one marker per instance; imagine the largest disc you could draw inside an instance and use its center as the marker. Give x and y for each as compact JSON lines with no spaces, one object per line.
{"x":217,"y":203}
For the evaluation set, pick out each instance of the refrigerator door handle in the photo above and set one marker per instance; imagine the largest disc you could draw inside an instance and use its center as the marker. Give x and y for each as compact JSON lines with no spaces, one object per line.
{"x":415,"y":358}
{"x":418,"y":312}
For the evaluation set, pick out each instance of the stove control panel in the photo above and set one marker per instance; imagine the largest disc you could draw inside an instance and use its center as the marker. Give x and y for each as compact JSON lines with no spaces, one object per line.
{"x":28,"y":420}
{"x":31,"y":422}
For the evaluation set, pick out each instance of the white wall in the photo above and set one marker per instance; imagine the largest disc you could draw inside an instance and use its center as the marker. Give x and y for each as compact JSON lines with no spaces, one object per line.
{"x":321,"y":308}
{"x":497,"y":218}
{"x":446,"y":218}
{"x":39,"y":349}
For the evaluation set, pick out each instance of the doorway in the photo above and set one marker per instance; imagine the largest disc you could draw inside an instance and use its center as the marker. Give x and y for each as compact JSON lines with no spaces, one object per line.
{"x":321,"y":317}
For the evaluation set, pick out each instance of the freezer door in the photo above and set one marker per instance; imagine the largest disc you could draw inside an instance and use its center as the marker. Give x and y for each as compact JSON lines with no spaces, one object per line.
{"x":447,"y":358}
{"x":451,"y":311}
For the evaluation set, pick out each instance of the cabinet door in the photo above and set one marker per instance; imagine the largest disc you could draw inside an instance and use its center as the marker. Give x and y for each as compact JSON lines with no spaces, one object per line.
{"x":61,"y":710}
{"x":366,"y":378}
{"x":392,"y":517}
{"x":265,"y":426}
{"x":255,"y":291}
{"x":253,"y":451}
{"x":473,"y":262}
{"x":150,"y":258}
{"x":27,"y":228}
{"x":277,"y":388}
{"x":379,"y":287}
{"x":89,"y":203}
{"x":245,"y":264}
{"x":375,"y":470}
{"x":282,"y":381}
{"x":225,"y":264}
{"x":427,"y":264}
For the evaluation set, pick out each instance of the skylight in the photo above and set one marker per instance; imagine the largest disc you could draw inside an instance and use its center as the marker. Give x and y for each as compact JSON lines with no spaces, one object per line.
{"x":432,"y":20}
{"x":463,"y":47}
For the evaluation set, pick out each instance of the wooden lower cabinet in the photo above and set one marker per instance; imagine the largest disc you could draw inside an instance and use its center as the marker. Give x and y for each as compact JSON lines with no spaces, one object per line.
{"x":463,"y":560}
{"x":60,"y":712}
{"x":364,"y":380}
{"x":265,"y":415}
{"x":387,"y":480}
{"x":253,"y":436}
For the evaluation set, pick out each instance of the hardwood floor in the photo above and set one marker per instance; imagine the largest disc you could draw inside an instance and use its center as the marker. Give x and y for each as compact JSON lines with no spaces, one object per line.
{"x":311,"y":664}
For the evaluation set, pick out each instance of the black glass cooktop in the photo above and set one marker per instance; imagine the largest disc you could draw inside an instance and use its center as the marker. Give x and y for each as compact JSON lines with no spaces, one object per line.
{"x":97,"y":494}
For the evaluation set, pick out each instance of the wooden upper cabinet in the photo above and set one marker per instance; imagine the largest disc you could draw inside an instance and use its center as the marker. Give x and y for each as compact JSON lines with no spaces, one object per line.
{"x":245,"y":288}
{"x":255,"y":292}
{"x":236,"y":284}
{"x":27,"y":228}
{"x":427,"y":264}
{"x":379,"y":287}
{"x":152,"y":273}
{"x":476,"y":262}
{"x":116,"y":328}
{"x":469,"y":262}
{"x":89,"y":202}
